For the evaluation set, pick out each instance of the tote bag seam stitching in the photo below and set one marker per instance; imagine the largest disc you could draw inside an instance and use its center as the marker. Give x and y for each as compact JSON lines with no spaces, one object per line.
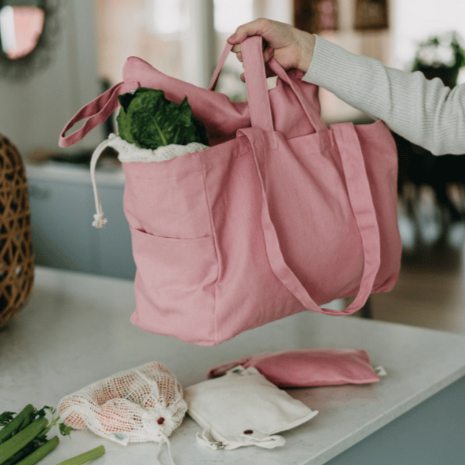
{"x":216,"y":248}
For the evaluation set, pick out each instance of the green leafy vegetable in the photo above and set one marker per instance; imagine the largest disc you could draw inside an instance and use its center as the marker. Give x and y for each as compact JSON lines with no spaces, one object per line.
{"x":53,"y":422}
{"x":40,"y":452}
{"x":148,"y":120}
{"x":85,"y":457}
{"x":23,"y":438}
{"x":65,"y":430}
{"x":6,"y":418}
{"x":12,"y":425}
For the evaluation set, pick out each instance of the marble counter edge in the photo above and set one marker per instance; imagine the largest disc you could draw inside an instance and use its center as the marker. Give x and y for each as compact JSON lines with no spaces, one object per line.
{"x":354,"y":437}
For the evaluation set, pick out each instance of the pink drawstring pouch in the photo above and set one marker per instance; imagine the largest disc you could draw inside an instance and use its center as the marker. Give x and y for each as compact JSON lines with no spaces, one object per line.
{"x":309,"y":367}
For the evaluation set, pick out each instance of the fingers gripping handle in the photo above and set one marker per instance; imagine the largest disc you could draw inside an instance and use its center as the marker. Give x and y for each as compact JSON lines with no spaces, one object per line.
{"x":97,"y":112}
{"x":254,"y":71}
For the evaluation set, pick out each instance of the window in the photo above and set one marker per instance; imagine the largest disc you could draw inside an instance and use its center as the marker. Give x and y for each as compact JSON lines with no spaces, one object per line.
{"x":167,"y":17}
{"x":230,"y":14}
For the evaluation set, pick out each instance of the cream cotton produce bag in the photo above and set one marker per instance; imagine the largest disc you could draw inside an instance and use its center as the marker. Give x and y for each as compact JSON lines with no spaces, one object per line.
{"x":241,"y":409}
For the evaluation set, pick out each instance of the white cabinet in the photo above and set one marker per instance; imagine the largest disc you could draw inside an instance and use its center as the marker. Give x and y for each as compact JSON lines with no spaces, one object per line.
{"x":62,"y":209}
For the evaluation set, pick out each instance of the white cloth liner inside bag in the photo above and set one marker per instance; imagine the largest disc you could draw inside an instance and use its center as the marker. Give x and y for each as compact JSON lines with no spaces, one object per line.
{"x":243,"y":408}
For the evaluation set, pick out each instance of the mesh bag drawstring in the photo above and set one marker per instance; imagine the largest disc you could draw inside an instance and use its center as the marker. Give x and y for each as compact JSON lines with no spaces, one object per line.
{"x":160,"y":444}
{"x":99,"y":220}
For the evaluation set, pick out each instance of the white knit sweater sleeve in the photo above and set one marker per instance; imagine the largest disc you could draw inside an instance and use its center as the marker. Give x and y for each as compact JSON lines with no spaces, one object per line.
{"x":422,"y":111}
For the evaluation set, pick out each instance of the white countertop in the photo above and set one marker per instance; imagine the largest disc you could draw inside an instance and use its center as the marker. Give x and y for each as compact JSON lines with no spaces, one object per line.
{"x":76,"y":330}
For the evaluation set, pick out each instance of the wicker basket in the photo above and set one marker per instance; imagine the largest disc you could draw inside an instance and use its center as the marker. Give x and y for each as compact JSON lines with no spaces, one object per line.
{"x":16,"y":254}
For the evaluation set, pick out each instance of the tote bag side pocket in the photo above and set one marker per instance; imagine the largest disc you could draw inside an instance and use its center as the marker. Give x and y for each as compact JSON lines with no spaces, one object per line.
{"x":175,"y":286}
{"x":168,"y":198}
{"x":173,"y":247}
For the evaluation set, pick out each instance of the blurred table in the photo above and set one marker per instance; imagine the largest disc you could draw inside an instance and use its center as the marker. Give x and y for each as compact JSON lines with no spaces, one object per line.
{"x":76,"y":330}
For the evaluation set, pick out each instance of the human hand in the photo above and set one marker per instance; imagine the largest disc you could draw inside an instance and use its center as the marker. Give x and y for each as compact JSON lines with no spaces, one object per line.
{"x":291,"y":47}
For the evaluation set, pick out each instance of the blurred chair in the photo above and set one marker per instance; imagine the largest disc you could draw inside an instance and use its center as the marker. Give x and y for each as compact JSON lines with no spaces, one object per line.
{"x":419,"y":167}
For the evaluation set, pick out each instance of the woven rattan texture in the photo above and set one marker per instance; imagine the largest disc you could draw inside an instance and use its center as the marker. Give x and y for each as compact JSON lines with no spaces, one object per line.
{"x":16,"y":253}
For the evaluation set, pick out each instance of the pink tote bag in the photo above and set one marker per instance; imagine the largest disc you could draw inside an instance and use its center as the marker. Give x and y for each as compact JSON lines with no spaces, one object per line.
{"x":279,"y":215}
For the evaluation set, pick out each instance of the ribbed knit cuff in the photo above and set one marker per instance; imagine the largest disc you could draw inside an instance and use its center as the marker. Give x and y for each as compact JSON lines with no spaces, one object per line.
{"x":353,"y":78}
{"x":422,"y":111}
{"x":330,"y":62}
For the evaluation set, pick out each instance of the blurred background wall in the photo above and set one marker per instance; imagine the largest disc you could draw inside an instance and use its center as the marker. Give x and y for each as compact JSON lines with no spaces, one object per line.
{"x":33,"y":113}
{"x":184,"y":38}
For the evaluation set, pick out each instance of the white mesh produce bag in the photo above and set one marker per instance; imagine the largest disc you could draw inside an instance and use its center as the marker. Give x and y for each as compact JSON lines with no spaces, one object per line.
{"x":138,"y":405}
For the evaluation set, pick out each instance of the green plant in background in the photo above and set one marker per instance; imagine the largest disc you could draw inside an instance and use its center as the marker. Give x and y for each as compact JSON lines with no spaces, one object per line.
{"x":441,"y":56}
{"x":148,"y":120}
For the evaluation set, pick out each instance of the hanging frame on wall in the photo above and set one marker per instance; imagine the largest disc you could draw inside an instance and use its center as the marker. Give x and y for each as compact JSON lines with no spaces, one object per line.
{"x":316,"y":16}
{"x":24,"y":67}
{"x":371,"y":15}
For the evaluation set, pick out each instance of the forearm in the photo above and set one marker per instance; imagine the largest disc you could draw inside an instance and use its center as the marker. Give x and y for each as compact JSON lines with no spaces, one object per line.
{"x":424,"y":112}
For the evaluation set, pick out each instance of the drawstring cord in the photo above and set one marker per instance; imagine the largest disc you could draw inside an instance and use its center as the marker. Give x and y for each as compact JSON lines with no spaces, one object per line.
{"x":99,"y":220}
{"x":160,"y":444}
{"x":204,"y":438}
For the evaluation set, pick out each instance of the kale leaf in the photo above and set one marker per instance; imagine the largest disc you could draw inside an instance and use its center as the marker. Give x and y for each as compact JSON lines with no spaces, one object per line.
{"x":6,"y":417}
{"x":149,"y":120}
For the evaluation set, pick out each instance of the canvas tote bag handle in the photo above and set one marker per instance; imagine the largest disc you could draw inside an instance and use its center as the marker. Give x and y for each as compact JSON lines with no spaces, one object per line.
{"x":357,"y":185}
{"x":257,"y":91}
{"x":97,"y":112}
